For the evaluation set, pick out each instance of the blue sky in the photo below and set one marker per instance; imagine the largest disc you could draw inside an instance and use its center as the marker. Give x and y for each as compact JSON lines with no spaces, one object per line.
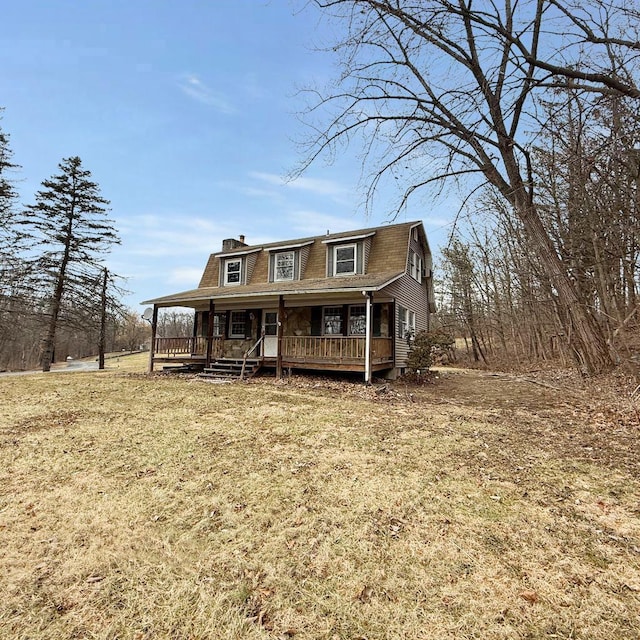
{"x":187,"y":115}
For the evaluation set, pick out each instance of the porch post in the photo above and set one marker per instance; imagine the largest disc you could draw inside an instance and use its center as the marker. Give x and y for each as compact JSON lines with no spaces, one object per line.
{"x":195,"y":327}
{"x":367,"y":342}
{"x":207,"y":361}
{"x":154,"y":328}
{"x":392,"y":328}
{"x":279,"y":352}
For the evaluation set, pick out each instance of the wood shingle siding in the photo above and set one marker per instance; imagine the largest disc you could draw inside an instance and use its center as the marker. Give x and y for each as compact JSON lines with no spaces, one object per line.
{"x":384,"y":252}
{"x":211,"y":275}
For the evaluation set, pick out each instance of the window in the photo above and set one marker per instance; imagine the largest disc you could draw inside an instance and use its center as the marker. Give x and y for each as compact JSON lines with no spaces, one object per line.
{"x":357,"y":320}
{"x":406,"y":323}
{"x":332,"y":321}
{"x":233,"y":271}
{"x":416,"y":266}
{"x":284,"y":266}
{"x":218,"y":324}
{"x":237,"y":324}
{"x":344,"y":260}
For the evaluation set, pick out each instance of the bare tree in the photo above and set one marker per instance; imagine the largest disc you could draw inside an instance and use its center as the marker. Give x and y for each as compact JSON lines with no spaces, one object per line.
{"x":450,"y":89}
{"x":587,"y":175}
{"x":463,"y":293}
{"x":132,"y":331}
{"x":175,"y":323}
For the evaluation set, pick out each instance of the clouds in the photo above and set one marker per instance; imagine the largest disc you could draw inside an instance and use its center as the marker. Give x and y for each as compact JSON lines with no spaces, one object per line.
{"x":316,"y":186}
{"x":323,"y":188}
{"x":172,"y":235}
{"x":185,"y":277}
{"x":161,"y":253}
{"x":310,"y":222}
{"x":193,"y":87}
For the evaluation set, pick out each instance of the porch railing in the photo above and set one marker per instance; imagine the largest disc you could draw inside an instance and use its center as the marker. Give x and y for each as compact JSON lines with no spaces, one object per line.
{"x":381,"y":349}
{"x":177,"y":347}
{"x":335,"y":348}
{"x":300,"y":348}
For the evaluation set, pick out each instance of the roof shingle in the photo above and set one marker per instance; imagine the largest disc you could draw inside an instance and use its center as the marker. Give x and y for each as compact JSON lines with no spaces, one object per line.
{"x":387,"y":260}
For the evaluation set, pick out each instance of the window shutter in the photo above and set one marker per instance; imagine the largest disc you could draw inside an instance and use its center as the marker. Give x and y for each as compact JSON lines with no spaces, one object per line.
{"x":359,"y":257}
{"x":329,"y":260}
{"x":272,"y":267}
{"x":247,"y":324}
{"x":377,"y":320}
{"x":316,"y":321}
{"x":296,"y":265}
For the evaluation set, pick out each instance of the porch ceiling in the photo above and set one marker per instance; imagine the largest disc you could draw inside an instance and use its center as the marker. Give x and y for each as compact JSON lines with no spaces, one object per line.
{"x":263,"y":292}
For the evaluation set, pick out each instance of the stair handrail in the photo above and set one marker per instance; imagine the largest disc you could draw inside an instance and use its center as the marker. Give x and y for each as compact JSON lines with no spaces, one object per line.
{"x":246,"y":354}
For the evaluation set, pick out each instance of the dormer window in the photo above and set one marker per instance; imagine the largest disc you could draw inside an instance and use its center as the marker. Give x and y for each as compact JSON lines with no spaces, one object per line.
{"x":348,"y":255}
{"x":344,"y":260}
{"x":287,"y":262}
{"x":284,"y":264}
{"x":233,"y":271}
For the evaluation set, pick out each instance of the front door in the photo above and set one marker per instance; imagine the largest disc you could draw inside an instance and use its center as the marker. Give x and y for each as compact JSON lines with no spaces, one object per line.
{"x":270,"y":328}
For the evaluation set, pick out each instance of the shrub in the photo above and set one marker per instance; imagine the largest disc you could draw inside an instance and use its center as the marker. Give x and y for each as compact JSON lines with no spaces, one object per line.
{"x":422,"y":351}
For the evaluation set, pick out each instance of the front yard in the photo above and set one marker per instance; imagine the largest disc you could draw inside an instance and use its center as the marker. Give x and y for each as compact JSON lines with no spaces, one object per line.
{"x":482,"y":506}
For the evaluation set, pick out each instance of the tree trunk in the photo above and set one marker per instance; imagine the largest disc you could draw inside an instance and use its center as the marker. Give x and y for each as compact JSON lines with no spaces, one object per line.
{"x":50,"y":338}
{"x":103,"y":320}
{"x":585,"y":337}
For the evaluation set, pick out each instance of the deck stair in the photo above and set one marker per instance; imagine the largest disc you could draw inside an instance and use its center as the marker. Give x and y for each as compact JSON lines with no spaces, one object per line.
{"x":231,"y":369}
{"x":185,"y":367}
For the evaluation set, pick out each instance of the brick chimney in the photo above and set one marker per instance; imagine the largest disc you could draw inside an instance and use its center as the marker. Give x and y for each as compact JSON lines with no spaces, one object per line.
{"x":229,"y":244}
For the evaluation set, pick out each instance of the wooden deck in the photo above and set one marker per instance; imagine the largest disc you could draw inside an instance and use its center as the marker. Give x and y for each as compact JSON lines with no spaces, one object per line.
{"x":335,"y":350}
{"x":345,"y":353}
{"x":185,"y":349}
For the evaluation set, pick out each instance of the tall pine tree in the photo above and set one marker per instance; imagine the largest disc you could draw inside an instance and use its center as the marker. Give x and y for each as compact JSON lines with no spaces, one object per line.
{"x":11,"y":298}
{"x":8,"y":197}
{"x":71,"y":232}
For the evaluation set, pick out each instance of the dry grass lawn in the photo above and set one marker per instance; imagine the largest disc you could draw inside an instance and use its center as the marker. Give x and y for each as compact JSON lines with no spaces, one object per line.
{"x":138,"y":507}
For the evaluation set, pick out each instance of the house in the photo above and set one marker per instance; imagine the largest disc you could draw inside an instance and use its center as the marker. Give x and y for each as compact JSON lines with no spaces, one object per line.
{"x":348,"y":301}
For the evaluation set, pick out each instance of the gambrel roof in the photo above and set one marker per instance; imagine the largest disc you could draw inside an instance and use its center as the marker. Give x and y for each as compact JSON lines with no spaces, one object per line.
{"x":387,"y":254}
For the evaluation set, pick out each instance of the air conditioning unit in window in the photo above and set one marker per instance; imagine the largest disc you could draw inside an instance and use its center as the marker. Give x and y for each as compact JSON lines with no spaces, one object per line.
{"x":426,"y":273}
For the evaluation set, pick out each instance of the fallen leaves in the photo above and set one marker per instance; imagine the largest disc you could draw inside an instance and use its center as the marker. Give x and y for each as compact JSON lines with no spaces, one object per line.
{"x":365,"y":595}
{"x":385,"y":524}
{"x":530,"y":596}
{"x":141,"y":473}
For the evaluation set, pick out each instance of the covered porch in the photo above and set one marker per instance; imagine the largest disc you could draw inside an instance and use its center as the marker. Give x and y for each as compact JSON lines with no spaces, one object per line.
{"x":301,"y":352}
{"x":338,"y":334}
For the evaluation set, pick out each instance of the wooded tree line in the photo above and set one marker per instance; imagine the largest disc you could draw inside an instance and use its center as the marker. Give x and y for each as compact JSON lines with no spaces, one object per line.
{"x":493,"y":289}
{"x":57,"y":298}
{"x":532,"y":102}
